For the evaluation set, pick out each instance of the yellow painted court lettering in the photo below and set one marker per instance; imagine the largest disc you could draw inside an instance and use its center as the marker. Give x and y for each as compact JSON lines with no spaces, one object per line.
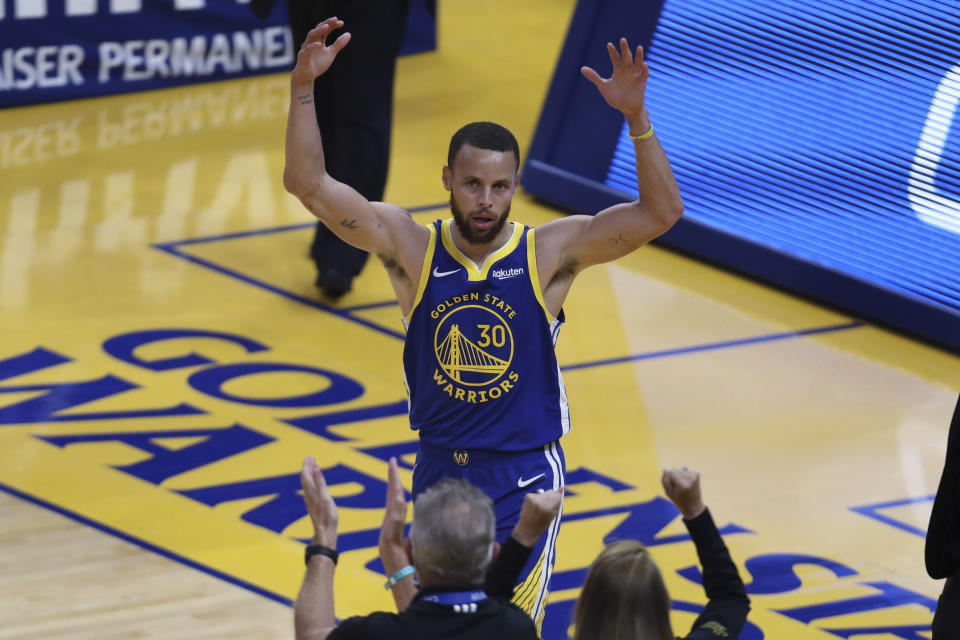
{"x":123,"y":347}
{"x":60,"y":396}
{"x":321,"y":424}
{"x":338,"y":387}
{"x":775,"y":574}
{"x":285,"y":505}
{"x":888,"y":597}
{"x":163,"y":463}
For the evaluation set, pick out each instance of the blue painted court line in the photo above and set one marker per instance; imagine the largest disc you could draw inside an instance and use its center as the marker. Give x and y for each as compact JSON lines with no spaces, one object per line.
{"x":712,"y":345}
{"x":372,"y":305}
{"x":346,"y":313}
{"x":340,"y":313}
{"x":143,"y":544}
{"x":239,"y":234}
{"x":872,"y":511}
{"x":290,"y":227}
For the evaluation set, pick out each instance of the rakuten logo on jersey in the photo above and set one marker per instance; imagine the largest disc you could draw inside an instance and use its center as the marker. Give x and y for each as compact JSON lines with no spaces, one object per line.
{"x":503,"y":274}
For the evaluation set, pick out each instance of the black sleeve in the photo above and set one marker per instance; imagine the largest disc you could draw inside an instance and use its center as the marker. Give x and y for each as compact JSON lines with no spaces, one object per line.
{"x":727,"y":601}
{"x":379,"y":624}
{"x":504,"y":572}
{"x":942,"y":548}
{"x":350,"y":628}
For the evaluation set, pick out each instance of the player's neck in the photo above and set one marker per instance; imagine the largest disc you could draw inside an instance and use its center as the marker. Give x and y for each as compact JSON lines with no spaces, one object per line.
{"x":479,"y":252}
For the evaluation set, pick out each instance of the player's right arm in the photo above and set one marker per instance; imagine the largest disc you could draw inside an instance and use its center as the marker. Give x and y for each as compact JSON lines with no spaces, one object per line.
{"x":377,"y":227}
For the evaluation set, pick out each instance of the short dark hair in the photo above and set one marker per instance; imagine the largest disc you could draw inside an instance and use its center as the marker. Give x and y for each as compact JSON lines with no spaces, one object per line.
{"x":483,"y":135}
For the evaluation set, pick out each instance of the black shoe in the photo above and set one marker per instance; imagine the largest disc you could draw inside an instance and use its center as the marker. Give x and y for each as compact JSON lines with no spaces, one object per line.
{"x":334,"y":282}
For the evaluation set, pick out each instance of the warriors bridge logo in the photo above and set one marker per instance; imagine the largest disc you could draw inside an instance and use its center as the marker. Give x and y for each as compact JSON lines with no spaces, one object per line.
{"x":474,"y":346}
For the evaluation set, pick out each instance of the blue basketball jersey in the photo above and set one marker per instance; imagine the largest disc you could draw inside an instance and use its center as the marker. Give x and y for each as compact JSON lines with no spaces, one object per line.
{"x":479,"y":362}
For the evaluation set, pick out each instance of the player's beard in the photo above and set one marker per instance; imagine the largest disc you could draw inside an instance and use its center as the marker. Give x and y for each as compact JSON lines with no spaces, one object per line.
{"x":463,"y":224}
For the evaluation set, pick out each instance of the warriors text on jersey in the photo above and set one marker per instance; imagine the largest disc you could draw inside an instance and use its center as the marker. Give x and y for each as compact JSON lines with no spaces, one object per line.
{"x":479,"y":362}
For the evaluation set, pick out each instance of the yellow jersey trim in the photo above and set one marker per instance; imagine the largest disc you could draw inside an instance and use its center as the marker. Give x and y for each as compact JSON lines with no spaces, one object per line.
{"x":475,"y":273}
{"x":424,"y":270}
{"x":534,"y":274}
{"x":525,"y":593}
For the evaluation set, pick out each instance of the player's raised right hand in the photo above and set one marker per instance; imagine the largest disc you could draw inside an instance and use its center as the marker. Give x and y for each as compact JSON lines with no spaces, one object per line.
{"x":316,"y":56}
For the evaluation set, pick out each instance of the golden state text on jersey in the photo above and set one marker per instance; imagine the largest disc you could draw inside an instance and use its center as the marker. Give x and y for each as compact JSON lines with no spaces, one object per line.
{"x":479,"y":362}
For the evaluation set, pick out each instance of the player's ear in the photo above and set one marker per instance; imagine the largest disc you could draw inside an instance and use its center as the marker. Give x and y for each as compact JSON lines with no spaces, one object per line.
{"x":447,"y":178}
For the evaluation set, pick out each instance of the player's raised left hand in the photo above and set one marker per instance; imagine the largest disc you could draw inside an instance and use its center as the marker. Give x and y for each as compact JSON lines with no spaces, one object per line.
{"x":624,"y":90}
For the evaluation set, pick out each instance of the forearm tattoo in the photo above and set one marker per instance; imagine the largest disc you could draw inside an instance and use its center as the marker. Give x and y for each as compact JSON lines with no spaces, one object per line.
{"x":350,"y":224}
{"x":305,"y":99}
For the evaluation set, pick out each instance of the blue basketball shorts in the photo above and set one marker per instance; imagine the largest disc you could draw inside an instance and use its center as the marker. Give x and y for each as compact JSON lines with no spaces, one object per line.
{"x":506,"y":477}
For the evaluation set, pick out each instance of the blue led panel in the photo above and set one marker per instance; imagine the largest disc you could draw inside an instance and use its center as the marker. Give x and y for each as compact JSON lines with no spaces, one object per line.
{"x":823,"y":130}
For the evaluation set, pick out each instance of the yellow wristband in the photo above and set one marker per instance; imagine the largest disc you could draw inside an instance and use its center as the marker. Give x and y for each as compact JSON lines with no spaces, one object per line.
{"x":643,"y":136}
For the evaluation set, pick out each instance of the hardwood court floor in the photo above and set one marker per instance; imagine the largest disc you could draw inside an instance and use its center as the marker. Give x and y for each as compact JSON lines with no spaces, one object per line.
{"x":148,"y":494}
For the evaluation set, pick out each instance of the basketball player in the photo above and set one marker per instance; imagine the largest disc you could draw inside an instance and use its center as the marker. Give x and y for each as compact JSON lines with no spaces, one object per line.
{"x":482,"y":296}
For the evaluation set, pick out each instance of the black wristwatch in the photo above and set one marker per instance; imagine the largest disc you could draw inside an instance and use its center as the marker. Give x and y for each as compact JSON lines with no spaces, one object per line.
{"x":319,"y":549}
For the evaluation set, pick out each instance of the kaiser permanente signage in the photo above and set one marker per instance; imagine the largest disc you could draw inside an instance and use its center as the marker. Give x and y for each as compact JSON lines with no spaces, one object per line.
{"x":54,"y":50}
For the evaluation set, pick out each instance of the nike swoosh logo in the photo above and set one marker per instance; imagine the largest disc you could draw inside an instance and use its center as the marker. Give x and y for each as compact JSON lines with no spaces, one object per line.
{"x":521,"y":483}
{"x":440,"y":274}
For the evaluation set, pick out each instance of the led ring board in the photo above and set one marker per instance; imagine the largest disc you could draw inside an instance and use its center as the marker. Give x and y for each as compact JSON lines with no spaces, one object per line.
{"x":814,"y":143}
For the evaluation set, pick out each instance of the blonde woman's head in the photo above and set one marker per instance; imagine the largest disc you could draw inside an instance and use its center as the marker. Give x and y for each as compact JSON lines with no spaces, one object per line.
{"x":623,"y":597}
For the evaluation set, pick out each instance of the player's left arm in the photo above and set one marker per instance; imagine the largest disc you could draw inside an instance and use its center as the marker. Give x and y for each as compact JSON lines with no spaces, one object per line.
{"x":576,"y":242}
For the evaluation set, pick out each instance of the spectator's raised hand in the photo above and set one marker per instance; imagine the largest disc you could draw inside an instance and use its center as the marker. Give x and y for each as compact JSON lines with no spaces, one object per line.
{"x":316,"y":56}
{"x":393,"y":553}
{"x":320,"y":504}
{"x":682,"y":486}
{"x":395,"y":513}
{"x":536,"y":514}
